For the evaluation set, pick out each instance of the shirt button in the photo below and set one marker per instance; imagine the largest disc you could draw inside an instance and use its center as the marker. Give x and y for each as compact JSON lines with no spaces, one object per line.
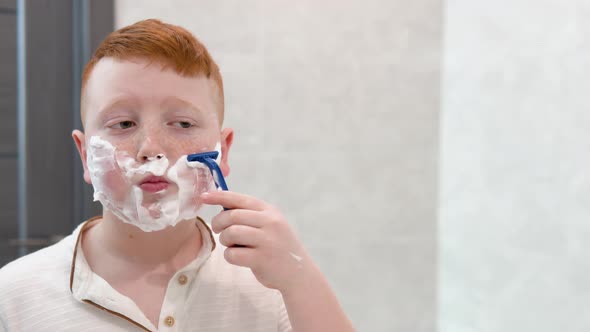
{"x":169,"y":321}
{"x":182,"y":279}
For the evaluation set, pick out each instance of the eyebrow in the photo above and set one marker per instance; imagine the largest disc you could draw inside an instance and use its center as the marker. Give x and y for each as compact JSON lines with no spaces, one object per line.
{"x":119,"y":101}
{"x":185,"y":103}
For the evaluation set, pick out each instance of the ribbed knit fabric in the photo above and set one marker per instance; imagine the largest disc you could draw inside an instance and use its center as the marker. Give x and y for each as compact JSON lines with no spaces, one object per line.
{"x":35,"y":295}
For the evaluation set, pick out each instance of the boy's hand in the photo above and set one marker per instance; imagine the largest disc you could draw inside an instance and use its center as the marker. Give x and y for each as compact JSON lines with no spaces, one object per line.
{"x":257,"y":236}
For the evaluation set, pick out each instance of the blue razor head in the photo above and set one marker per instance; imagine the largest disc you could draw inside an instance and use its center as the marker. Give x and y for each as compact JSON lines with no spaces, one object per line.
{"x":208,"y":158}
{"x":200,"y":156}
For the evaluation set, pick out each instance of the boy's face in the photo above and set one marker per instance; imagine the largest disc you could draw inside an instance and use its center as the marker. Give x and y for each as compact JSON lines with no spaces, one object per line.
{"x":145,"y":111}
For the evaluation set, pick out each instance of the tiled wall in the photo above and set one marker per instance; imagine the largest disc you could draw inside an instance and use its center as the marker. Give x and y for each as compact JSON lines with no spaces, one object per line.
{"x":335,"y":106}
{"x":515,"y":188}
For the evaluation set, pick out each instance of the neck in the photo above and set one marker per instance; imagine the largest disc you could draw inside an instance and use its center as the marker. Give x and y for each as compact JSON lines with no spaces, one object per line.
{"x":179,"y":244}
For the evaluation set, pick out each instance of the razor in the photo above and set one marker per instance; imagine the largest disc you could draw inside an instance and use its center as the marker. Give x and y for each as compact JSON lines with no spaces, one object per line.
{"x":208,"y":158}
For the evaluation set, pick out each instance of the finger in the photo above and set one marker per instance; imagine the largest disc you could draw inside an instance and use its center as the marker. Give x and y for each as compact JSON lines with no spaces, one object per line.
{"x":240,"y":235}
{"x":233,"y":200}
{"x":227,"y":218}
{"x":245,"y":257}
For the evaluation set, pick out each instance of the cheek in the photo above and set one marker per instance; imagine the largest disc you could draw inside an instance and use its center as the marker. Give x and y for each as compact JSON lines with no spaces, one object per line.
{"x":193,"y":181}
{"x":203,"y":182}
{"x":107,"y":176}
{"x":192,"y":145}
{"x":116,"y":185}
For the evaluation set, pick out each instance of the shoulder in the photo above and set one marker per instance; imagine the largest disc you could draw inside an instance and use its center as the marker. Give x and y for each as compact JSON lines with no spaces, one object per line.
{"x":40,"y":271}
{"x":35,"y":292}
{"x":43,"y":260}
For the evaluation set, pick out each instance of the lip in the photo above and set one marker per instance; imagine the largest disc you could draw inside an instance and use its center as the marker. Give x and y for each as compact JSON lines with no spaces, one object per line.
{"x":154,"y":184}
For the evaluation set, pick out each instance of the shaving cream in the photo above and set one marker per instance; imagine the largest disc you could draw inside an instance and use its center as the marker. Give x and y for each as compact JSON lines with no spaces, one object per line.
{"x":116,"y":177}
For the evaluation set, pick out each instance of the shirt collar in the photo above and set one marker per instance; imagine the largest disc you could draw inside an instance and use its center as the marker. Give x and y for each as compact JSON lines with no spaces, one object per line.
{"x":206,"y":234}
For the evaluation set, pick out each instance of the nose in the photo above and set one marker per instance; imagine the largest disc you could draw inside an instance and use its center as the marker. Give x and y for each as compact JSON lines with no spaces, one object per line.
{"x":156,"y":157}
{"x":150,"y":149}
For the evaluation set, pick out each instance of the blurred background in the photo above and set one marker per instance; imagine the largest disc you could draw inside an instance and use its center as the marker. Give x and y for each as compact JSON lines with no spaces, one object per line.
{"x":431,"y":155}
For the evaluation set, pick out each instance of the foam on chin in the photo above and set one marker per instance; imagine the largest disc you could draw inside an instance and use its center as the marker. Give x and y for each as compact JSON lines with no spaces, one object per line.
{"x":115,"y":176}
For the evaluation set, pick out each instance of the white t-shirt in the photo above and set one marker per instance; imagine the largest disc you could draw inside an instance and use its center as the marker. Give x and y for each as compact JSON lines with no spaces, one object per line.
{"x":54,"y":289}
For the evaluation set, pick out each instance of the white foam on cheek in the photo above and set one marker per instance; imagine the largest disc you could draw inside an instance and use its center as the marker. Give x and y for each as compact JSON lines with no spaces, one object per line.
{"x":218,"y":149}
{"x":189,"y":185}
{"x":99,"y":155}
{"x":100,"y":160}
{"x":204,"y":169}
{"x":162,"y":209}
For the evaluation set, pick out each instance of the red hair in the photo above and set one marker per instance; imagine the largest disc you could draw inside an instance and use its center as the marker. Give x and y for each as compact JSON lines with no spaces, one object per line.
{"x":171,"y":45}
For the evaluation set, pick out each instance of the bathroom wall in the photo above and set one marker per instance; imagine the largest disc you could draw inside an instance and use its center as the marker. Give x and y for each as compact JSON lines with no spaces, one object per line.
{"x":514,"y":231}
{"x":335,"y":106}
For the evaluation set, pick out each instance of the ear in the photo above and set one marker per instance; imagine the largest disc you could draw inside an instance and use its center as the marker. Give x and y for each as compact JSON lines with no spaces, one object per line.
{"x":227,"y":138}
{"x":80,"y":141}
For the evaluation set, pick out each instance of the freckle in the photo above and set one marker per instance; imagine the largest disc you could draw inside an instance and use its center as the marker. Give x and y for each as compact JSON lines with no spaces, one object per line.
{"x":130,"y":236}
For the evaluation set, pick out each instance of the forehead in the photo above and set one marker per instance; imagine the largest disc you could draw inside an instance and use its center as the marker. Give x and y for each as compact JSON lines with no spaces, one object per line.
{"x":145,"y":81}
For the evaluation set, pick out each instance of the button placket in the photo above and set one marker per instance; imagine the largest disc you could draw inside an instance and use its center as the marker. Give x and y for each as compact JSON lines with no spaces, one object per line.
{"x":175,"y":293}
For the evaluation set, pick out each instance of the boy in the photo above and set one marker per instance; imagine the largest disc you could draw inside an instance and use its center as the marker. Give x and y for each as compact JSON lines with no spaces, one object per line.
{"x":151,"y":95}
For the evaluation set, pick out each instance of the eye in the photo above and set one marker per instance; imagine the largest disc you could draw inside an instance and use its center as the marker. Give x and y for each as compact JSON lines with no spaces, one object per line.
{"x":182,"y":124}
{"x":123,"y":125}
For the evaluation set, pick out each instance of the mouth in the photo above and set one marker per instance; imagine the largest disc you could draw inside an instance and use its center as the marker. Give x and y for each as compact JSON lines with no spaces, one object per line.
{"x":154,"y":184}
